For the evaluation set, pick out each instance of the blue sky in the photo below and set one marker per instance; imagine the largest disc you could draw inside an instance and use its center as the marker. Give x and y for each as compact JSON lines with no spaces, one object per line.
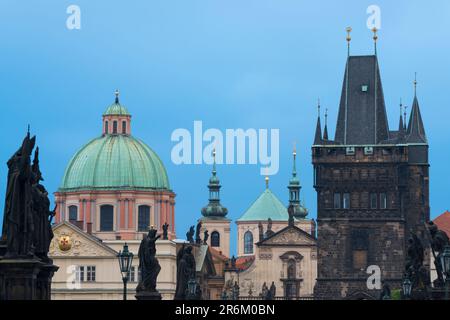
{"x":232,"y":64}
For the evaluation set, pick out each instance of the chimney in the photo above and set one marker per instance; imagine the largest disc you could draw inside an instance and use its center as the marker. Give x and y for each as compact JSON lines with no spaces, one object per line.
{"x":89,"y":227}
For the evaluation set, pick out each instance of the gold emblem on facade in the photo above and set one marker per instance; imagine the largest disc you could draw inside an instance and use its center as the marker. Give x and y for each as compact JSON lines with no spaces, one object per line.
{"x":64,"y":243}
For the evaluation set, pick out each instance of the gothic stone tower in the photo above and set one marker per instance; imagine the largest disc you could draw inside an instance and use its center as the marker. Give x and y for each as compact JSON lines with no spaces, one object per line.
{"x":372,"y":187}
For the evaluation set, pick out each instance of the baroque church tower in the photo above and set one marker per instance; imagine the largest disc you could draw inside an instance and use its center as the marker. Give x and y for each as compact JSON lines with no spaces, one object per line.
{"x":215,"y":216}
{"x":372,"y":186}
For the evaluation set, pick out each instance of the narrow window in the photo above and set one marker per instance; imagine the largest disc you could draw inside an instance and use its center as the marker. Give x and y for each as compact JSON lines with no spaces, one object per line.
{"x":115,"y":127}
{"x":143,"y":218}
{"x":215,"y":239}
{"x":73,"y":214}
{"x":79,"y":273}
{"x":373,"y":201}
{"x":248,"y":243}
{"x":90,"y":273}
{"x":346,"y":201}
{"x":383,"y":201}
{"x":106,"y":218}
{"x":337,"y":200}
{"x":124,"y":127}
{"x":106,"y":127}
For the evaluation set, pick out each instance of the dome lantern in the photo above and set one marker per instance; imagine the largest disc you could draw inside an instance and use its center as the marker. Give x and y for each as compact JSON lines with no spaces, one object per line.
{"x":116,"y":118}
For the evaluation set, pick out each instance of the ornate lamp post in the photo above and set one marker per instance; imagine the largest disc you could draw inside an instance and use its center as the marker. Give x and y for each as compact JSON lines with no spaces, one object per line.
{"x":125,"y":261}
{"x":445,"y":263}
{"x":407,"y":286}
{"x":192,"y":289}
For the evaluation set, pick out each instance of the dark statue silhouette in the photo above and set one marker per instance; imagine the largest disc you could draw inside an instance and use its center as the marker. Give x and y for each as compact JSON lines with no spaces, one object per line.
{"x":148,"y":263}
{"x":185,"y":271}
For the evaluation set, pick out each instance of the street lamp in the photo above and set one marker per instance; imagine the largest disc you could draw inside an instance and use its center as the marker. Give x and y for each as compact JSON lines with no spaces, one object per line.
{"x":125,"y":261}
{"x":445,"y":263}
{"x":407,"y":286}
{"x":192,"y":289}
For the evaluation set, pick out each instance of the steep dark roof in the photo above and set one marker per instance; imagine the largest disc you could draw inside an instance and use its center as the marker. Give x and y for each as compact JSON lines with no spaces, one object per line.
{"x":362,"y":113}
{"x":318,"y":135}
{"x":416,"y":131}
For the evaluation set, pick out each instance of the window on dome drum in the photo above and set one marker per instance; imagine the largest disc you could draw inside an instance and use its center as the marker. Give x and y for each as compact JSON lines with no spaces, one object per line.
{"x":114,"y":127}
{"x":383,"y":201}
{"x":124,"y":127}
{"x":373,"y":201}
{"x":73,"y":213}
{"x":248,"y":242}
{"x":215,"y":239}
{"x":337,"y":200}
{"x":106,"y":127}
{"x":106,"y":218}
{"x":143,"y":218}
{"x":346,"y":201}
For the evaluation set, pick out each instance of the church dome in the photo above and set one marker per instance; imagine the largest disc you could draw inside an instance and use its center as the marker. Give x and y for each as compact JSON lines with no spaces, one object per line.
{"x":116,"y":160}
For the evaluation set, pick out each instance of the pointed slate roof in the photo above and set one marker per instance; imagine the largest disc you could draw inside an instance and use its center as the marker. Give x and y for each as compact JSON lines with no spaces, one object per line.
{"x":362,"y":116}
{"x":416,"y":131}
{"x":266,"y":206}
{"x":318,"y":135}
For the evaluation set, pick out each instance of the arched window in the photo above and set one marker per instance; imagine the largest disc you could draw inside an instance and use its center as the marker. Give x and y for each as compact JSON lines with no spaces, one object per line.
{"x":124,"y":127}
{"x":248,"y":242}
{"x":291,"y":269}
{"x":143,"y":218}
{"x":215,"y":239}
{"x":106,"y":127}
{"x":106,"y":218}
{"x":114,"y":127}
{"x":73,"y":213}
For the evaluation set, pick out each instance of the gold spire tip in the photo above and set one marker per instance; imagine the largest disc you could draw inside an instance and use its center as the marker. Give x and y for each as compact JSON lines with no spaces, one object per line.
{"x":375,"y":36}
{"x":349,"y":30}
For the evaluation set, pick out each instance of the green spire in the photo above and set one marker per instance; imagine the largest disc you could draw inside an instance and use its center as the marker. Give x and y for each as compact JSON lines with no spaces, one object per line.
{"x":294,"y":191}
{"x":214,"y":209}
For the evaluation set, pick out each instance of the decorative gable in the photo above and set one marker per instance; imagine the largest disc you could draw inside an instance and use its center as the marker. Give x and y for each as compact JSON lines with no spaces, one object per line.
{"x":70,"y":241}
{"x":291,"y":236}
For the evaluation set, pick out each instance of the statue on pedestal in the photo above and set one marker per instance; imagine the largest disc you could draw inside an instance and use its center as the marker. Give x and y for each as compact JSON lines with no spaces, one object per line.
{"x":190,"y":235}
{"x":18,"y":222}
{"x":185,"y":271}
{"x":165,"y":228}
{"x":198,"y":240}
{"x":148,"y":265}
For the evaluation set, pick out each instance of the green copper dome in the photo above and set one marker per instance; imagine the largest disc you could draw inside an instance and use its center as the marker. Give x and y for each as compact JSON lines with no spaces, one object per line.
{"x":266,"y":206}
{"x":116,"y":109}
{"x":115,"y":162}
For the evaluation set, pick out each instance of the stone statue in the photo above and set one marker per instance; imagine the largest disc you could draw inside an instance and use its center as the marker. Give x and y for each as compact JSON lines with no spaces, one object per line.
{"x":264,"y":290}
{"x":438,"y":240}
{"x":185,"y":271}
{"x":291,"y":215}
{"x":269,"y":231}
{"x":233,"y":262}
{"x":205,"y":237}
{"x":148,"y":263}
{"x":165,"y":228}
{"x":198,"y":240}
{"x":261,"y":231}
{"x":42,"y":216}
{"x":190,"y":235}
{"x":415,"y":271}
{"x":18,"y":223}
{"x":385,"y":291}
{"x":272,"y":291}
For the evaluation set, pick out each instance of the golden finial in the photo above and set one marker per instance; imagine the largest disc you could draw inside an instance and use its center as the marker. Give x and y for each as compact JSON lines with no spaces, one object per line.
{"x":375,"y":36}
{"x":117,"y":95}
{"x":267,"y":182}
{"x":294,"y":152}
{"x":349,"y":30}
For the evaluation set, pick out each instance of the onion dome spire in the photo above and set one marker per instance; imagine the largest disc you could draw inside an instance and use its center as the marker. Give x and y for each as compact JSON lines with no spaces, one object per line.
{"x":294,"y":191}
{"x":214,"y":209}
